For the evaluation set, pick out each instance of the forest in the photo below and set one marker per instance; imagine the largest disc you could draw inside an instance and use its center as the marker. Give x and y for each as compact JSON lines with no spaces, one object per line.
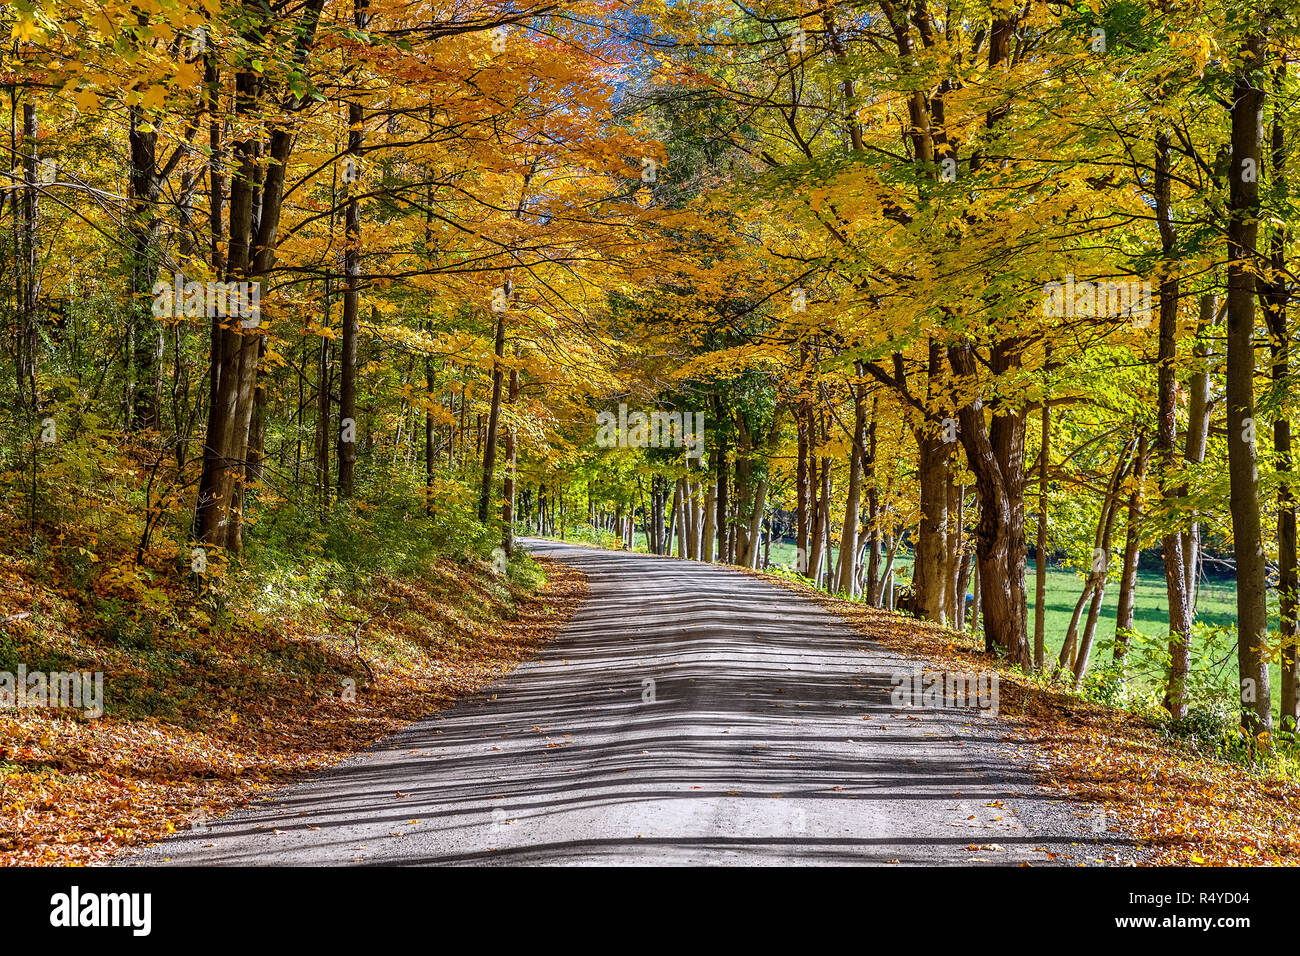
{"x":976,"y":311}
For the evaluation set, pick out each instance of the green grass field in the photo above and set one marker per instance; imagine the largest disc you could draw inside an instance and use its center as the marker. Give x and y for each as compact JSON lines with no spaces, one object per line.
{"x":1216,"y":603}
{"x":1216,"y":607}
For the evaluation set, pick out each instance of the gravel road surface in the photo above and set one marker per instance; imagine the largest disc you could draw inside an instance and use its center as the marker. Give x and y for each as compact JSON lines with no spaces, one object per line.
{"x":689,"y":714}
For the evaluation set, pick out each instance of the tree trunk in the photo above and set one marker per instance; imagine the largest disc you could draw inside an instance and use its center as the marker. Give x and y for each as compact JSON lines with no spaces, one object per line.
{"x":347,"y":448}
{"x":1101,"y":555}
{"x":679,"y":513}
{"x":722,"y":504}
{"x":220,"y":452}
{"x":1198,"y":433}
{"x":29,"y":293}
{"x":952,"y":552}
{"x":887,"y":576}
{"x":996,"y":453}
{"x":692,"y":512}
{"x":1243,"y":474}
{"x":853,"y":501}
{"x":750,"y":558}
{"x":251,"y":255}
{"x":512,"y":465}
{"x":708,"y":532}
{"x":821,"y":523}
{"x":1180,"y":607}
{"x":145,"y":228}
{"x":494,"y":417}
{"x":802,"y":489}
{"x":429,"y":429}
{"x":1275,"y":301}
{"x":872,"y":589}
{"x":1040,"y":542}
{"x":928,"y":577}
{"x":256,"y":457}
{"x":323,"y":386}
{"x":808,"y":559}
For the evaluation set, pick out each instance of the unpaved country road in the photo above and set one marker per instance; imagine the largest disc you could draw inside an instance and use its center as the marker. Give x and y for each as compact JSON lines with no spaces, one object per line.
{"x":754,"y":750}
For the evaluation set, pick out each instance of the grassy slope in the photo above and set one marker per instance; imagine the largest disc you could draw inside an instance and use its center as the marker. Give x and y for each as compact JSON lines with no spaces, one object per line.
{"x":210,"y":698}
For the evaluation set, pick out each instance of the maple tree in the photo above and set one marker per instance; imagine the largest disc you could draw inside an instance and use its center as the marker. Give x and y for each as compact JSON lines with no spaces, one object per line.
{"x":922,"y":178}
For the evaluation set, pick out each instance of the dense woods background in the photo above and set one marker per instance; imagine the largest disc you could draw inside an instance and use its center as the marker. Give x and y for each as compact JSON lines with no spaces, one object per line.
{"x":966,"y":294}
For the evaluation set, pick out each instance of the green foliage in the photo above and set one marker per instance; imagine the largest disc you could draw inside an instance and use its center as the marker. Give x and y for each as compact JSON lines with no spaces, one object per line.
{"x":586,"y":534}
{"x":1106,"y":683}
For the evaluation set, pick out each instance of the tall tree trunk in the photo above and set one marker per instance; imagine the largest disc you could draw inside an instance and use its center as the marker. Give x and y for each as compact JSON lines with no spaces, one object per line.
{"x":1101,"y":555}
{"x":1180,"y":606}
{"x":996,"y":452}
{"x":429,"y":429}
{"x":824,"y":572}
{"x":251,"y":255}
{"x":1198,"y":433}
{"x":847,"y":570}
{"x":1275,"y":299}
{"x":512,"y":465}
{"x":820,"y":529}
{"x":429,"y":422}
{"x":928,"y":577}
{"x":1040,"y":542}
{"x":887,"y":575}
{"x":952,"y":552}
{"x":722,"y":504}
{"x":873,"y":588}
{"x":145,"y":228}
{"x":680,"y":505}
{"x":808,"y":559}
{"x":256,"y":457}
{"x":494,"y":416}
{"x":692,"y":514}
{"x":347,"y":450}
{"x":749,"y":509}
{"x":324,"y":384}
{"x":806,"y":471}
{"x":1243,"y":474}
{"x":29,"y":293}
{"x":967,"y":563}
{"x":931,"y":578}
{"x":749,"y":559}
{"x":802,"y":486}
{"x":708,"y":533}
{"x":222,"y":448}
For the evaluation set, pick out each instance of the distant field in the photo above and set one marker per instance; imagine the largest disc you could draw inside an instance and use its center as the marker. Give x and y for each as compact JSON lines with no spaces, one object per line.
{"x":1216,"y":605}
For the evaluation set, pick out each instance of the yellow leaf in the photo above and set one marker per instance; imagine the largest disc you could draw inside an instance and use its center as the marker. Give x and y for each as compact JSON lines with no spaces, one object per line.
{"x":25,"y":30}
{"x":187,"y":74}
{"x":154,"y":97}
